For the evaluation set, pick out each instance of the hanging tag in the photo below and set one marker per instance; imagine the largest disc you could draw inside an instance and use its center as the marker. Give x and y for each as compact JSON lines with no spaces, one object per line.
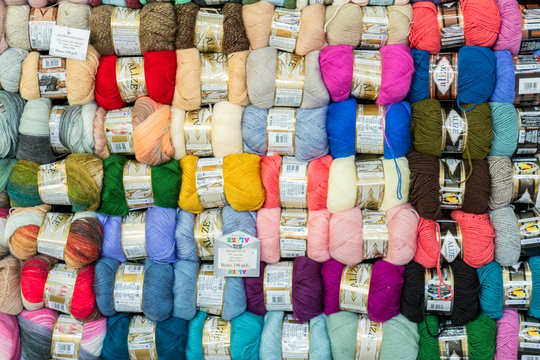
{"x":69,"y":42}
{"x":237,"y":255}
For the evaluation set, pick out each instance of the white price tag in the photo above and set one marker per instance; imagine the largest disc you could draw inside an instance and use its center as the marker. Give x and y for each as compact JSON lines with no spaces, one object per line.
{"x":69,"y":42}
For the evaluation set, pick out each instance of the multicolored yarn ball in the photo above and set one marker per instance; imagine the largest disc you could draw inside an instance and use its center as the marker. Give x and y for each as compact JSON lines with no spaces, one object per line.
{"x":10,"y":288}
{"x":6,"y":166}
{"x":10,"y":348}
{"x":22,"y":229}
{"x":13,"y":106}
{"x":4,"y":213}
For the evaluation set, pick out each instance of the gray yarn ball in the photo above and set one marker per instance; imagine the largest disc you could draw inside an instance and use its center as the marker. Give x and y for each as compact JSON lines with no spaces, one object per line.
{"x":507,"y":240}
{"x":13,"y":106}
{"x":500,"y":169}
{"x":11,"y":62}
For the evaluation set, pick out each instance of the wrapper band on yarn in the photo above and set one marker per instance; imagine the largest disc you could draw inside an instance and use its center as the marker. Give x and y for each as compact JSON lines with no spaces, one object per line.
{"x":10,"y":339}
{"x":11,"y":62}
{"x":10,"y":286}
{"x":13,"y":106}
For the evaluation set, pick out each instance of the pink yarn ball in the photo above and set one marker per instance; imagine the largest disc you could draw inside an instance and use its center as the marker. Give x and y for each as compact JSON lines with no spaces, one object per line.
{"x":510,"y":32}
{"x":507,"y":336}
{"x":402,"y":226}
{"x":336,"y":63}
{"x":10,"y":340}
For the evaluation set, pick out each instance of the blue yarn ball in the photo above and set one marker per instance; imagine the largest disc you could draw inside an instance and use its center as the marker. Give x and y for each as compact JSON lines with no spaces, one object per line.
{"x":245,"y":336}
{"x":310,"y":141}
{"x":534,"y":310}
{"x":319,"y":344}
{"x":171,"y":338}
{"x":505,"y":129}
{"x":341,"y":129}
{"x":537,"y":53}
{"x":420,"y":82}
{"x":491,"y":290}
{"x":185,"y":292}
{"x":505,"y":85}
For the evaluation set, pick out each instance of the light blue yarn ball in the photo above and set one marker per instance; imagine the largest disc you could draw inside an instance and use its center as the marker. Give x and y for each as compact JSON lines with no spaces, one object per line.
{"x":504,"y":119}
{"x":11,"y":62}
{"x":505,"y":85}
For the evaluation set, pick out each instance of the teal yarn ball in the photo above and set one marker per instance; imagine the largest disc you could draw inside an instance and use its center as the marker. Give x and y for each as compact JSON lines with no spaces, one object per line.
{"x":534,"y":310}
{"x":505,"y":123}
{"x":13,"y":106}
{"x":319,"y":344}
{"x":342,"y":327}
{"x":245,"y":336}
{"x":170,"y":339}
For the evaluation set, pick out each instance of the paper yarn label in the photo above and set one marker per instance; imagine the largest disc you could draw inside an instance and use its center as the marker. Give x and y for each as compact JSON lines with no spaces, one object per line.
{"x":529,"y":228}
{"x":209,"y":182}
{"x":366,"y":81}
{"x":455,"y":131}
{"x":237,"y":254}
{"x":527,"y":79}
{"x":52,"y":77}
{"x":141,"y":339}
{"x":216,"y":339}
{"x":208,"y":227}
{"x":53,"y":234}
{"x":52,"y":183}
{"x":128,"y":287}
{"x":529,"y":130}
{"x":69,"y":42}
{"x":55,"y":117}
{"x":453,"y":343}
{"x":210,"y":290}
{"x":280,"y":131}
{"x":443,"y":76}
{"x":530,"y":21}
{"x":293,"y":183}
{"x":451,"y":182}
{"x":133,"y":235}
{"x":374,"y":234}
{"x":290,"y":74}
{"x":440,"y":304}
{"x":526,"y":178}
{"x":374,"y":27}
{"x":293,"y":233}
{"x":130,"y":78}
{"x":125,"y":31}
{"x":368,"y":339}
{"x":529,"y":337}
{"x":450,"y":20}
{"x":119,"y":131}
{"x":370,"y":123}
{"x":354,"y":288}
{"x":450,"y":239}
{"x":66,"y":338}
{"x":209,"y":30}
{"x":40,"y":25}
{"x":284,"y":30}
{"x":370,"y":184}
{"x":278,"y":286}
{"x":294,"y":338}
{"x":214,"y":78}
{"x":198,"y":132}
{"x":58,"y":291}
{"x":138,"y":185}
{"x":517,"y":285}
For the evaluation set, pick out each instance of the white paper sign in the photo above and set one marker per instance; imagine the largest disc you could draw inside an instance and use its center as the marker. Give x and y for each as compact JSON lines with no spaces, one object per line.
{"x":69,"y":42}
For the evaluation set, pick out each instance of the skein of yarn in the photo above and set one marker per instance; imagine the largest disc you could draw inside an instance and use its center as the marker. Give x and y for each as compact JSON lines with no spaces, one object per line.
{"x":305,"y":289}
{"x":461,"y":186}
{"x":298,"y":31}
{"x":506,"y":129}
{"x":502,"y":179}
{"x":161,"y":184}
{"x":13,"y":106}
{"x":310,"y":182}
{"x":509,"y":37}
{"x":153,"y":74}
{"x":150,"y":291}
{"x":59,"y":78}
{"x":215,"y":182}
{"x":3,"y":42}
{"x":10,"y":289}
{"x":287,"y":87}
{"x":241,"y":341}
{"x":74,"y":181}
{"x":169,"y":341}
{"x":22,"y":229}
{"x":6,"y":166}
{"x":34,"y":143}
{"x":154,"y":26}
{"x":213,"y":131}
{"x":11,"y":62}
{"x":352,"y":128}
{"x":41,"y":279}
{"x":208,"y":78}
{"x":140,"y":234}
{"x":285,"y":131}
{"x":10,"y":339}
{"x":131,"y":4}
{"x":288,"y":4}
{"x":384,"y":75}
{"x":507,"y":235}
{"x":277,"y":339}
{"x":508,"y":335}
{"x":197,"y":288}
{"x":374,"y":184}
{"x":505,"y":84}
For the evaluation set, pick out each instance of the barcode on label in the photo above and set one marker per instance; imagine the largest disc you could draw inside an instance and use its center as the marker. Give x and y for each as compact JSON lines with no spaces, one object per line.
{"x":530,"y":357}
{"x":293,"y":168}
{"x":281,"y":139}
{"x":278,"y":299}
{"x":439,"y":305}
{"x":120,"y":147}
{"x":530,"y":86}
{"x":49,"y":63}
{"x":57,"y":306}
{"x":62,"y":348}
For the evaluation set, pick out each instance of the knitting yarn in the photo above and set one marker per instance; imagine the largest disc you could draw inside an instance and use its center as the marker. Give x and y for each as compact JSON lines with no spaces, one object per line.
{"x":505,"y":123}
{"x":154,"y":76}
{"x":155,"y":25}
{"x":480,"y":22}
{"x":164,"y":185}
{"x":502,"y":174}
{"x":290,"y":233}
{"x":384,"y":76}
{"x":9,"y":122}
{"x":304,"y":28}
{"x":288,"y":4}
{"x":34,"y":275}
{"x":480,"y":251}
{"x":11,"y":61}
{"x":4,"y":248}
{"x":507,"y":335}
{"x":382,"y":279}
{"x":195,"y":234}
{"x":22,"y":229}
{"x":210,"y":30}
{"x":220,"y":125}
{"x":350,"y":24}
{"x":238,"y":179}
{"x":208,"y":78}
{"x":169,"y":341}
{"x":80,"y":184}
{"x":348,"y":124}
{"x":346,"y":190}
{"x":131,"y":4}
{"x":124,"y":240}
{"x":72,"y":79}
{"x":313,"y":187}
{"x":507,"y":236}
{"x":154,"y":283}
{"x":505,"y":84}
{"x":3,"y":42}
{"x":265,"y":83}
{"x":21,"y":34}
{"x":306,"y":288}
{"x":34,"y":144}
{"x":197,"y":288}
{"x":6,"y":165}
{"x":44,"y":3}
{"x":277,"y":340}
{"x":425,"y":195}
{"x":10,"y":340}
{"x":305,"y":131}
{"x":476,"y":75}
{"x":456,"y":131}
{"x":10,"y":289}
{"x":243,"y":340}
{"x":509,"y":37}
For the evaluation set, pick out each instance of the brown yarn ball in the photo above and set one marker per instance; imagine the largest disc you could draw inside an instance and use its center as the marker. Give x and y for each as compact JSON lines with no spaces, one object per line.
{"x":157,"y":28}
{"x":186,"y":17}
{"x":10,"y":285}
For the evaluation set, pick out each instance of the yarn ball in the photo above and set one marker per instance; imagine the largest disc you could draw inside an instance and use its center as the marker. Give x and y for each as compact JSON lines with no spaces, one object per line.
{"x":10,"y":289}
{"x":505,"y":129}
{"x":261,"y":78}
{"x":245,"y":336}
{"x":272,"y":333}
{"x":159,"y":71}
{"x":12,"y":105}
{"x":132,"y":4}
{"x":11,"y":62}
{"x":310,"y":138}
{"x":307,"y":290}
{"x":157,"y":288}
{"x":34,"y":143}
{"x":502,"y":180}
{"x":509,"y":37}
{"x":186,"y":277}
{"x":507,"y":236}
{"x":241,"y":183}
{"x":166,"y":181}
{"x":170,"y":338}
{"x":22,"y":228}
{"x":289,"y":4}
{"x":84,"y":175}
{"x":3,"y":42}
{"x":10,"y":339}
{"x":507,"y":335}
{"x":6,"y":166}
{"x":505,"y":83}
{"x":342,"y":129}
